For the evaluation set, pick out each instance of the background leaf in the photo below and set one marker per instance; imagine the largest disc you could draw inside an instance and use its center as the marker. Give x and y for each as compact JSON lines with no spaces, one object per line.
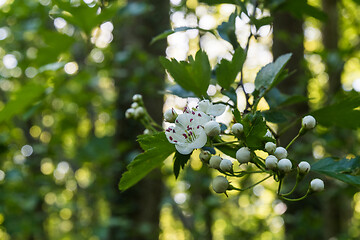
{"x":179,"y":161}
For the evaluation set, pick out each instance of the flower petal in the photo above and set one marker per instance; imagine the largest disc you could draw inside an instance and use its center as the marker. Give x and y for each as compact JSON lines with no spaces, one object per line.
{"x":183,"y":148}
{"x":204,"y":105}
{"x":216,"y":109}
{"x":201,"y":139}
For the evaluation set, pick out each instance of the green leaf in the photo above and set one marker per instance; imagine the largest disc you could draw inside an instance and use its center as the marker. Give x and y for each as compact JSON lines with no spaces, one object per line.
{"x":179,"y":161}
{"x":227,"y":71}
{"x":343,"y":113}
{"x":157,"y":149}
{"x":231,"y":93}
{"x":21,"y":100}
{"x":261,"y":22}
{"x":179,"y":91}
{"x":167,"y":33}
{"x":227,"y":30}
{"x":193,"y":76}
{"x":52,"y":67}
{"x":254,"y":129}
{"x":277,"y":116}
{"x":277,"y":99}
{"x":346,"y":170}
{"x":268,"y":75}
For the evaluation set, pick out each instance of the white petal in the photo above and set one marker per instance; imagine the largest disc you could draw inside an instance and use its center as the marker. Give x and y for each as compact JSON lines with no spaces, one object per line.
{"x":204,"y":105}
{"x":201,"y":118}
{"x":216,"y":109}
{"x":201,"y":139}
{"x":183,"y":148}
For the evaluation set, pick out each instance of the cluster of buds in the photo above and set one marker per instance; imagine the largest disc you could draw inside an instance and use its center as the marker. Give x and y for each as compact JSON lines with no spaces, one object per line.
{"x":137,"y":110}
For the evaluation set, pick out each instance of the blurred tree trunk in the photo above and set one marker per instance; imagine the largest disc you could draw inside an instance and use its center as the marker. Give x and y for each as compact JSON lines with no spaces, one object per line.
{"x":337,"y":207}
{"x":136,"y":212}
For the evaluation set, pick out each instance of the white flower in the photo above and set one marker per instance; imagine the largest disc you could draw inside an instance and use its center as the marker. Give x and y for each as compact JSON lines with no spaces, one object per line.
{"x":304,"y":167}
{"x":270,"y":147}
{"x":188,"y":132}
{"x":285,"y":165}
{"x":317,"y":185}
{"x":134,"y":105}
{"x":139,"y":112}
{"x":237,"y":129}
{"x":212,"y":109}
{"x":220,"y":184}
{"x":271,"y":162}
{"x":280,"y":153}
{"x":205,"y":156}
{"x":215,"y":162}
{"x":243,"y":155}
{"x":170,"y":115}
{"x":129,"y":113}
{"x":226,"y":165}
{"x":212,"y":128}
{"x":308,"y":122}
{"x":137,"y":98}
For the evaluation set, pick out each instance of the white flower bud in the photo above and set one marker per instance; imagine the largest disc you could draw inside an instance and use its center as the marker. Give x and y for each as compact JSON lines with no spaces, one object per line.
{"x":226,"y":165}
{"x":220,"y":184}
{"x":284,"y":165}
{"x":130,"y":113}
{"x":271,"y":162}
{"x":280,"y":153}
{"x":308,"y":122}
{"x":237,"y":129}
{"x":204,"y":105}
{"x":270,"y":147}
{"x":212,"y":128}
{"x":317,"y":185}
{"x":146,"y":131}
{"x":268,"y":134}
{"x":139,"y":112}
{"x":304,"y":167}
{"x":134,"y":105}
{"x":137,"y":98}
{"x":170,"y":115}
{"x":215,"y":162}
{"x":243,"y":155}
{"x":205,"y":156}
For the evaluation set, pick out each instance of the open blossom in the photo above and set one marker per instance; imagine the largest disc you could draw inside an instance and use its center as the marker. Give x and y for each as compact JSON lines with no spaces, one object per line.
{"x":211,"y":109}
{"x":188,"y":132}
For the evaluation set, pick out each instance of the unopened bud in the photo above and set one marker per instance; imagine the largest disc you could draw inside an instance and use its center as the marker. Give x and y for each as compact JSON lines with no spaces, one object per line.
{"x":130,"y":113}
{"x":147,"y":131}
{"x":243,"y":155}
{"x":170,"y":115}
{"x":212,"y":128}
{"x":271,"y":162}
{"x":304,"y":167}
{"x":270,"y":147}
{"x":134,"y":105}
{"x":280,"y":153}
{"x":215,"y":161}
{"x":205,"y":156}
{"x":268,"y":134}
{"x":226,"y":165}
{"x":220,"y":184}
{"x":139,"y":112}
{"x":137,"y":98}
{"x":237,"y":129}
{"x":285,"y":165}
{"x":317,"y":185}
{"x":308,"y":122}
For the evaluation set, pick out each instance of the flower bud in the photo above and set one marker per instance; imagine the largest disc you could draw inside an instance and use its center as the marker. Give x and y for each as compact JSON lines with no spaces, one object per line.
{"x":226,"y":165}
{"x":170,"y":115}
{"x":205,"y":156}
{"x":147,"y":131}
{"x":308,"y":122}
{"x":212,"y":128}
{"x":215,"y":161}
{"x":268,"y":134}
{"x":280,"y":153}
{"x":317,"y":185}
{"x":220,"y":184}
{"x":237,"y":129}
{"x":139,"y":112}
{"x":284,"y":165}
{"x":129,"y":113}
{"x":270,"y":147}
{"x":134,"y":105}
{"x":243,"y":155}
{"x":304,"y":167}
{"x":271,"y":162}
{"x":137,"y":98}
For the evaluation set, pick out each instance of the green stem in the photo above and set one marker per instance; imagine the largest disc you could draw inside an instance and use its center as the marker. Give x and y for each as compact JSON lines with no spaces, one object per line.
{"x":296,"y":199}
{"x":293,"y":140}
{"x":280,"y":184}
{"x":292,"y":190}
{"x":243,"y":189}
